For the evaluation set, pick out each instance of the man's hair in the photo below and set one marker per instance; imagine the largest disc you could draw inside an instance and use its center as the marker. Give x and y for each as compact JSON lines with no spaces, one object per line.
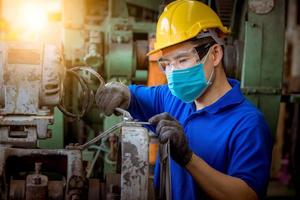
{"x":205,"y":40}
{"x":201,"y":41}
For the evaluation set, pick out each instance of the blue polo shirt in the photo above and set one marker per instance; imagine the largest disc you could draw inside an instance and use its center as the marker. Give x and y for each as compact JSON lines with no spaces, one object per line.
{"x":231,"y":135}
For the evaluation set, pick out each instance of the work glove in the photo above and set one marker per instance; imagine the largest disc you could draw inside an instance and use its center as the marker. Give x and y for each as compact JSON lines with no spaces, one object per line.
{"x":111,"y":96}
{"x":168,"y":128}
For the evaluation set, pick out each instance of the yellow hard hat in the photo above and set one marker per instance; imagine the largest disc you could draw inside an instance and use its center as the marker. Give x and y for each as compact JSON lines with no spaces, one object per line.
{"x":182,"y":20}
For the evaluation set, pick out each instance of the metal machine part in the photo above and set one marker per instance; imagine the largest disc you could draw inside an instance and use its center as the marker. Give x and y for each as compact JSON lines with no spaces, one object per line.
{"x":133,"y":183}
{"x":36,"y":184}
{"x":260,"y":80}
{"x":165,"y":191}
{"x":63,"y":181}
{"x":93,"y":57}
{"x":135,"y":166}
{"x":30,"y":86}
{"x":127,"y":121}
{"x":261,"y":6}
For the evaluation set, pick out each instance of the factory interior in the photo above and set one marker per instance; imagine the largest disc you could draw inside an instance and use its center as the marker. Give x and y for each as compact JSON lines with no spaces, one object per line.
{"x":63,"y":64}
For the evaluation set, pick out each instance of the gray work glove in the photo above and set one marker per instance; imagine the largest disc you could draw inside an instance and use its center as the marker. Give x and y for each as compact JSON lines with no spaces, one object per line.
{"x":167,"y":128}
{"x":111,"y":96}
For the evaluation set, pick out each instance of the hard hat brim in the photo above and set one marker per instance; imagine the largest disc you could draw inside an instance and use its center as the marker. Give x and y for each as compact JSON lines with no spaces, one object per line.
{"x":224,"y":30}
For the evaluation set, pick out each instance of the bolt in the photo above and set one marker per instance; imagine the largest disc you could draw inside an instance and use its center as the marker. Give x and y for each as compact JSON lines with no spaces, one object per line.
{"x":38,"y":166}
{"x":36,"y":180}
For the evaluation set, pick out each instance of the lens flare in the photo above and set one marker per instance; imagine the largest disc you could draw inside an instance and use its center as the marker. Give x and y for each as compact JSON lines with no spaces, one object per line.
{"x":34,"y":17}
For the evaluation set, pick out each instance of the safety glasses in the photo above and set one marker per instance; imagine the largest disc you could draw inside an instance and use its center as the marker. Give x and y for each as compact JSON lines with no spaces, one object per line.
{"x":184,"y":59}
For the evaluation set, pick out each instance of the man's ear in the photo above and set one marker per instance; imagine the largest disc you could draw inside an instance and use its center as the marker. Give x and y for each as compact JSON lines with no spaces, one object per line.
{"x":217,"y":54}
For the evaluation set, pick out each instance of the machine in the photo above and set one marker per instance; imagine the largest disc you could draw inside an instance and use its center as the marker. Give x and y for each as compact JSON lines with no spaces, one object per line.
{"x":54,"y":55}
{"x":42,"y":71}
{"x":31,"y":86}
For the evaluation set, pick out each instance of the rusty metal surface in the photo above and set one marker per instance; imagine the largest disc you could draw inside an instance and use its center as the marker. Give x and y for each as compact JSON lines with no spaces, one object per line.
{"x":30,"y":86}
{"x":37,"y":184}
{"x":165,"y":189}
{"x":21,"y":78}
{"x":134,"y":170}
{"x":32,"y":75}
{"x":113,"y":193}
{"x":56,"y":190}
{"x":36,"y":187}
{"x":113,"y":185}
{"x":94,"y":189}
{"x":28,"y":141}
{"x":76,"y":185}
{"x":21,"y":56}
{"x":32,"y":127}
{"x":261,"y":6}
{"x":53,"y":75}
{"x":17,"y":190}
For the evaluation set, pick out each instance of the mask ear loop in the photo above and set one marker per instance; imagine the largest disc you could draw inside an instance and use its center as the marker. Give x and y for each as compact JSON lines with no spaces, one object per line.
{"x":203,"y":61}
{"x":210,"y":79}
{"x":211,"y":76}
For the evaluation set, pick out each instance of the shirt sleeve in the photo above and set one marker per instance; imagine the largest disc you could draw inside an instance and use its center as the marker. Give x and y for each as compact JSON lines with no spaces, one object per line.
{"x":146,"y":101}
{"x":250,"y":152}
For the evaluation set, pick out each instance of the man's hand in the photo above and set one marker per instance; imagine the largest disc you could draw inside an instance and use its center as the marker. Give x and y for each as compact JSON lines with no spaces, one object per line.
{"x":111,"y":96}
{"x":168,"y":128}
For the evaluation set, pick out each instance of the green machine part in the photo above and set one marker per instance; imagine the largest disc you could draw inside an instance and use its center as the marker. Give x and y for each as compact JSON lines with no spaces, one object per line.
{"x":261,"y":76}
{"x":114,"y":40}
{"x":57,"y":130}
{"x":120,"y":54}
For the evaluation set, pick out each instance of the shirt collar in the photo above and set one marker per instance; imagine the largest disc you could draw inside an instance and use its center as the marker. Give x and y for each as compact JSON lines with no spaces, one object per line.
{"x":233,"y":97}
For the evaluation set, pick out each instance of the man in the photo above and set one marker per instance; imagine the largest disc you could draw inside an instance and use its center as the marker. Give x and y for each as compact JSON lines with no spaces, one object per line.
{"x":220,"y":143}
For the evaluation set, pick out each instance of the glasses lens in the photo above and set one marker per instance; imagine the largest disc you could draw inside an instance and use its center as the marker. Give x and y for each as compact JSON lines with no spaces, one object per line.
{"x":181,"y":60}
{"x":187,"y":59}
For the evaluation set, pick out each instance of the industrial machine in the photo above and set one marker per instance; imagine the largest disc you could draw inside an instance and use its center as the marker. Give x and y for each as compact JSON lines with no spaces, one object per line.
{"x":42,"y":71}
{"x":54,"y":142}
{"x":31,"y":86}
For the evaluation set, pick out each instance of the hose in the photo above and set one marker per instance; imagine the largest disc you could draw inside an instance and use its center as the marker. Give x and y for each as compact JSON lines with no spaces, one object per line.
{"x":88,"y":95}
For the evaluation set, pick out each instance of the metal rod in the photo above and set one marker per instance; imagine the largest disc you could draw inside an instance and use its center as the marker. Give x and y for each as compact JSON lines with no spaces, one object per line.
{"x":99,"y":137}
{"x":90,"y":169}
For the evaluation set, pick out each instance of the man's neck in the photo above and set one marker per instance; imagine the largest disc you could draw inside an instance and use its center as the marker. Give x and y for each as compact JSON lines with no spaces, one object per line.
{"x":219,"y":88}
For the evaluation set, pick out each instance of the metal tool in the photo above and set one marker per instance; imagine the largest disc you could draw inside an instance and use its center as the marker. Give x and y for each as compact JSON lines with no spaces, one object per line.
{"x":127,"y":120}
{"x":165,"y":189}
{"x":126,"y":115}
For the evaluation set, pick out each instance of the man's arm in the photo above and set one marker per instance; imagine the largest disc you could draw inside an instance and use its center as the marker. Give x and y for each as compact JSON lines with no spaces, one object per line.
{"x":216,"y":184}
{"x":146,"y":101}
{"x":248,"y":161}
{"x":142,"y":102}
